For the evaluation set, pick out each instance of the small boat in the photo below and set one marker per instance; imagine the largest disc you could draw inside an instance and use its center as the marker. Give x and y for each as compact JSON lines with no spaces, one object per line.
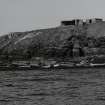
{"x":97,"y":65}
{"x":34,"y":66}
{"x":46,"y":66}
{"x":24,"y":66}
{"x":56,"y":65}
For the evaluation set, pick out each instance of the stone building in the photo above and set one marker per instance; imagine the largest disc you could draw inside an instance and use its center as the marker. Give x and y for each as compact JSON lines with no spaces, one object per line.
{"x":80,"y":22}
{"x":72,"y":22}
{"x":94,"y":20}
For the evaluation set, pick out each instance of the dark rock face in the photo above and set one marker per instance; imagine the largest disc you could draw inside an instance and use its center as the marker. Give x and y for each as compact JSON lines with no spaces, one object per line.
{"x":57,"y":41}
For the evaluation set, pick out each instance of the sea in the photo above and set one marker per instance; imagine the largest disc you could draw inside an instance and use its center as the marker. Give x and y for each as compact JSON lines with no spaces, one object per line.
{"x":53,"y":87}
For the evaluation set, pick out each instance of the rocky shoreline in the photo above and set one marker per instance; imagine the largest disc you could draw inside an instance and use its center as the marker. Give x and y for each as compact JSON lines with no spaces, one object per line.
{"x":42,"y":63}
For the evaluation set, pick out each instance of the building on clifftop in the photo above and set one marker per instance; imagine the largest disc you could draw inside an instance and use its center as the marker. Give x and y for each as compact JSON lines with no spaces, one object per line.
{"x":72,"y":22}
{"x":80,"y":22}
{"x":94,"y":20}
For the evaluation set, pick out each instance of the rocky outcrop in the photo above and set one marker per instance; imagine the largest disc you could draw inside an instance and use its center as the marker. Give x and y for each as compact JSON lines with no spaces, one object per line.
{"x":54,"y":41}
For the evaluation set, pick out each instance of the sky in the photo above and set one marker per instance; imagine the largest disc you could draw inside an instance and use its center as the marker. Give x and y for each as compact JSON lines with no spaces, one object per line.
{"x":27,"y":15}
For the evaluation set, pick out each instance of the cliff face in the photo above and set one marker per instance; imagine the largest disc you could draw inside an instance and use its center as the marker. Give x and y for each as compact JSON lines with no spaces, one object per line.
{"x":46,"y":40}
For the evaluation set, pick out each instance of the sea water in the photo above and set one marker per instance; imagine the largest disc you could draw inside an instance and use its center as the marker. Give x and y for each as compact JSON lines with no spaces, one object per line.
{"x":53,"y":87}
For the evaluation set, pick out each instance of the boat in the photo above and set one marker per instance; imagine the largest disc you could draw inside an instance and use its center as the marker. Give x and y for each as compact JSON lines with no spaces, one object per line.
{"x":56,"y":65}
{"x":24,"y":66}
{"x":97,"y":65}
{"x":46,"y":66}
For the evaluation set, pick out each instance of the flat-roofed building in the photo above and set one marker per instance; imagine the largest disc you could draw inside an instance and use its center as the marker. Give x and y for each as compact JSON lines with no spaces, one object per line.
{"x":67,"y":22}
{"x":79,"y":22}
{"x":94,"y":20}
{"x":72,"y":22}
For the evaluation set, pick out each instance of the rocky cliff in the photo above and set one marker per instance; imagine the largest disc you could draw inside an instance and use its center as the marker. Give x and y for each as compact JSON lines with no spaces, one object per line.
{"x":52,"y":41}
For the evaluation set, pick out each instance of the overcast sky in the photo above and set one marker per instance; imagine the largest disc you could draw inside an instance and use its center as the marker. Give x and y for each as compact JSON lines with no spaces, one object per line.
{"x":25,"y":15}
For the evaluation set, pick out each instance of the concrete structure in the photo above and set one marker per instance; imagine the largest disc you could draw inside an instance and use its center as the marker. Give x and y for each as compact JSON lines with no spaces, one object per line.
{"x":72,"y":22}
{"x":94,"y":20}
{"x":80,"y":22}
{"x":66,"y":23}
